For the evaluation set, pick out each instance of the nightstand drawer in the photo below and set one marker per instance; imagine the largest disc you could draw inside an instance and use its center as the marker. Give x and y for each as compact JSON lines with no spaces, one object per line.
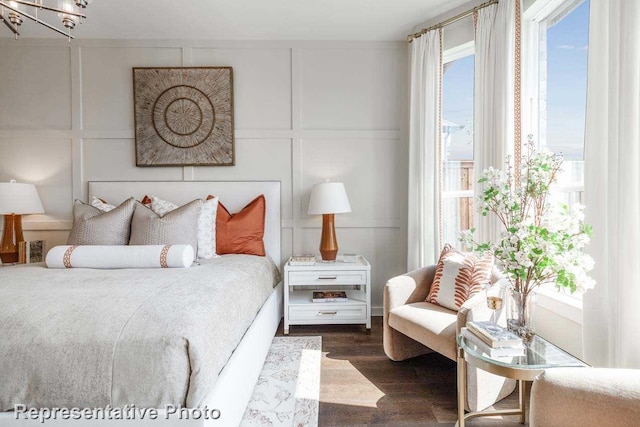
{"x":327,"y":278}
{"x":327,"y":312}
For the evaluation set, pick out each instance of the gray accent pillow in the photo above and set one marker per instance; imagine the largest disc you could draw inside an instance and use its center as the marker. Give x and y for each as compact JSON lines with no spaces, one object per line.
{"x":91,"y":226}
{"x":178,"y":227}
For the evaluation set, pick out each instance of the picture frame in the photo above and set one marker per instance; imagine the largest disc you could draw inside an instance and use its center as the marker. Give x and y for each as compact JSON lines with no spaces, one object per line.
{"x":184,"y":116}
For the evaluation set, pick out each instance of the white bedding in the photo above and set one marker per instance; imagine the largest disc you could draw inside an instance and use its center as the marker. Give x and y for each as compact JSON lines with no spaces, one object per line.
{"x":149,"y":337}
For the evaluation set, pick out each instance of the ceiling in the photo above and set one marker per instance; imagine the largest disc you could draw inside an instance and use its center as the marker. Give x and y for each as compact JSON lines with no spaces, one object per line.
{"x":247,"y":19}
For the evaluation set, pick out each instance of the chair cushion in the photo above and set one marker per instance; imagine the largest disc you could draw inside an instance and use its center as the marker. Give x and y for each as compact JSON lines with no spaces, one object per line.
{"x":429,"y":324}
{"x":459,"y":276}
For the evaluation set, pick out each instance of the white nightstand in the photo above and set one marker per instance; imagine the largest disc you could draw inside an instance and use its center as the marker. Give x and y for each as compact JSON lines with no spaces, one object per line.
{"x":352,"y":277}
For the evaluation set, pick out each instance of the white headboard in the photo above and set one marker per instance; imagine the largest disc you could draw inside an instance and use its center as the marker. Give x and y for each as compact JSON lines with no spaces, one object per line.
{"x":233,"y":194}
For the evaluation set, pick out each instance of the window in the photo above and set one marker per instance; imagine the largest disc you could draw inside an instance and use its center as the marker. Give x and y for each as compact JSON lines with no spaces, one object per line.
{"x":556,"y":42}
{"x":556,"y":75}
{"x":457,"y":142}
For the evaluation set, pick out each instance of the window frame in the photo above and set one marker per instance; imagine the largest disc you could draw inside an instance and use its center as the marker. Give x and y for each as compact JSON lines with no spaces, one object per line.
{"x":533,"y":18}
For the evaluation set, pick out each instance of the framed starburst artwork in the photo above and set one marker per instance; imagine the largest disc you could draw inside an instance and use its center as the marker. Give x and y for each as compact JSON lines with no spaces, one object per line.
{"x":184,"y":116}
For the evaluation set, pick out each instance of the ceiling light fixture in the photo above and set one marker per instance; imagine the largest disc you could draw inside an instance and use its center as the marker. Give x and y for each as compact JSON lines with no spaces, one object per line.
{"x":13,"y":13}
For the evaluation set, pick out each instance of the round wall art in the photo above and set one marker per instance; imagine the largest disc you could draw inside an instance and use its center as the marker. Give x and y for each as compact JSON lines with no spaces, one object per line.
{"x":184,"y":116}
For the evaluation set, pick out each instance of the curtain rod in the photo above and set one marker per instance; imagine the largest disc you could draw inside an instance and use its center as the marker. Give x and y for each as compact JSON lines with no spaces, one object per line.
{"x":450,"y":20}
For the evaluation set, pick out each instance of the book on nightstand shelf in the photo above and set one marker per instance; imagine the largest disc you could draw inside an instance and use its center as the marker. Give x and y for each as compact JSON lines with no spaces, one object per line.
{"x":31,"y":251}
{"x":330,"y":296}
{"x":514,"y":351}
{"x":302,"y":260}
{"x":494,"y":335}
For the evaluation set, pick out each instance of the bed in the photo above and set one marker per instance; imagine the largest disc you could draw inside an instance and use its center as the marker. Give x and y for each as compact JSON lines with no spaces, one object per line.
{"x":174,"y":336}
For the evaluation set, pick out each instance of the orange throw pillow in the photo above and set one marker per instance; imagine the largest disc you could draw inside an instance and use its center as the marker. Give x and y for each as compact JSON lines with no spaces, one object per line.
{"x":242,"y":232}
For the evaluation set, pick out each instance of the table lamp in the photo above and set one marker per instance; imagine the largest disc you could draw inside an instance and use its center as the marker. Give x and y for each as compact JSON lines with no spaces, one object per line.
{"x":327,"y":199}
{"x":15,"y":200}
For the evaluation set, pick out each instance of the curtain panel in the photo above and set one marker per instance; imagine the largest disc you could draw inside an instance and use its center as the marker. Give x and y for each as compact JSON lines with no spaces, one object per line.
{"x":494,"y":99}
{"x":424,"y":150}
{"x":611,"y":313}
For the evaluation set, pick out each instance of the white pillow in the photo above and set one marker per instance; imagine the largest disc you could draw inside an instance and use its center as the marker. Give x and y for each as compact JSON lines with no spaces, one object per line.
{"x":206,"y":223}
{"x":111,"y":257}
{"x":101,"y":204}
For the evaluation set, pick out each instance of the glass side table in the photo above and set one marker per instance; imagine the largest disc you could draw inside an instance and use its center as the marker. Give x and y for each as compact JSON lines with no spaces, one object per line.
{"x":540,"y":355}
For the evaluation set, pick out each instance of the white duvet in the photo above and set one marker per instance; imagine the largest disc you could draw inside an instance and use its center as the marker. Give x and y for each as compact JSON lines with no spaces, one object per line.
{"x":149,"y":337}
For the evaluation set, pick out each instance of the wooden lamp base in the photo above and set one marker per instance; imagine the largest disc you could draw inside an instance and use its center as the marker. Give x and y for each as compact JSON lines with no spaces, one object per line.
{"x":11,"y":235}
{"x":328,"y":242}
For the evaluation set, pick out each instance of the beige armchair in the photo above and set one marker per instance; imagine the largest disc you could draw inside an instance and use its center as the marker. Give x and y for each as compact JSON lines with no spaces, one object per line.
{"x":412,"y":327}
{"x":576,"y":397}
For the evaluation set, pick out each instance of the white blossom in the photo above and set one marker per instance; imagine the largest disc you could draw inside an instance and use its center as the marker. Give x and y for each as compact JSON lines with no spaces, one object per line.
{"x":545,"y":239}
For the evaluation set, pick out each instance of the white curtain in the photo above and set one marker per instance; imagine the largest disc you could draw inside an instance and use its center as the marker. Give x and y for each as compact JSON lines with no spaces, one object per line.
{"x":612,"y":184}
{"x":493,"y":108}
{"x":424,"y":158}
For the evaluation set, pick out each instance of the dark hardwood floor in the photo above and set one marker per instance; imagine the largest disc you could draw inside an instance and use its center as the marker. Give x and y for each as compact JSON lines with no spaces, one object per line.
{"x":360,"y":386}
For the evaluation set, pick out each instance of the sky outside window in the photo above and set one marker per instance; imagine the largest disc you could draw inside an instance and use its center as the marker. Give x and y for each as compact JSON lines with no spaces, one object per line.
{"x":567,"y":49}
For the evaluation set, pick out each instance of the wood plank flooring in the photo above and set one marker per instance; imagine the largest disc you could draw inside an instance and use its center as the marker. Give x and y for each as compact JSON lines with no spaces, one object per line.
{"x":360,"y":386}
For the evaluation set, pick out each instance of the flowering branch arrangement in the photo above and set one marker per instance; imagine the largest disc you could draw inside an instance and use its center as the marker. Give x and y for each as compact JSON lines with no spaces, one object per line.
{"x":541,"y":242}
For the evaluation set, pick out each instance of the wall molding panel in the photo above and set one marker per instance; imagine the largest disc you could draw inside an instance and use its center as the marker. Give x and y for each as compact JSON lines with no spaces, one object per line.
{"x":305,"y":111}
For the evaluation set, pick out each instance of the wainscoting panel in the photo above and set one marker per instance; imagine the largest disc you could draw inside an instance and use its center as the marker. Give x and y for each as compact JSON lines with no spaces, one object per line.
{"x":35,"y":95}
{"x":107,"y":82}
{"x":352,"y":88}
{"x":262,"y":84}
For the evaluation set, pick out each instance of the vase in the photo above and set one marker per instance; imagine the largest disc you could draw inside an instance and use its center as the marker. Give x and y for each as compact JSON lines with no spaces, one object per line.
{"x":521,"y":314}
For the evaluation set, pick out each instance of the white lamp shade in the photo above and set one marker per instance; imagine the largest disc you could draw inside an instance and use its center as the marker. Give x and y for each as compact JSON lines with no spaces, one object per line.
{"x":328,"y":198}
{"x":17,"y":198}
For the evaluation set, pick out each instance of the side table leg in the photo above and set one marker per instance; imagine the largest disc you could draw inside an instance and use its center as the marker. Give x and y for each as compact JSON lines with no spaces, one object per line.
{"x":462,"y":386}
{"x":522,"y":397}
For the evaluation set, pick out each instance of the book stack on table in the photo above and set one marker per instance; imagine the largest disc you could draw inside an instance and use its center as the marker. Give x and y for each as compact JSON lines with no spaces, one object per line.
{"x":493,"y":340}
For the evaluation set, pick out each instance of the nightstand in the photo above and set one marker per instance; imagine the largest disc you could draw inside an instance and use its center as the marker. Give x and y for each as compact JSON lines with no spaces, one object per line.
{"x":301,"y":281}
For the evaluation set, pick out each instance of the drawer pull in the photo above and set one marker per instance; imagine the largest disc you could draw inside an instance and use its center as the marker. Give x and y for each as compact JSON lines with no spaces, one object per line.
{"x":327,"y":277}
{"x":327,"y":313}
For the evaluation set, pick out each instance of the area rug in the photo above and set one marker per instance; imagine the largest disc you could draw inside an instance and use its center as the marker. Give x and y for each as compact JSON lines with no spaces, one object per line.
{"x":288,"y":389}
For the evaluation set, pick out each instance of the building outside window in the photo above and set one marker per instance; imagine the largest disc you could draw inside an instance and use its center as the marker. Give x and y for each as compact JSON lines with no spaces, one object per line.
{"x":457,"y":143}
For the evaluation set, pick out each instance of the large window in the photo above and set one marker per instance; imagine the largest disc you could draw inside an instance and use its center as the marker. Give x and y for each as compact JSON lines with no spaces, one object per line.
{"x":556,"y":75}
{"x":556,"y":43}
{"x":457,"y":143}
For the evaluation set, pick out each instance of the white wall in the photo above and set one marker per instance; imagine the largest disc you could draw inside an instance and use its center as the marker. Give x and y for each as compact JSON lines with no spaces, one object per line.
{"x":304,"y":111}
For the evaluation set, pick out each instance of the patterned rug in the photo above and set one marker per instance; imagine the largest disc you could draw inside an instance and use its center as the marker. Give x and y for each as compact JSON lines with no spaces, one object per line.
{"x":288,"y":389}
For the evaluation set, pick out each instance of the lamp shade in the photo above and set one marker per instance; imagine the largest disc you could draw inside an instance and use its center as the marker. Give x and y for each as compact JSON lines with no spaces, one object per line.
{"x":328,"y":198}
{"x":17,"y":198}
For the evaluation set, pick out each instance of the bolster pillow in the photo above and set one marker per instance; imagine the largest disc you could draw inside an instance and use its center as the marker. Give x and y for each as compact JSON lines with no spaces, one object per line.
{"x":109,"y":257}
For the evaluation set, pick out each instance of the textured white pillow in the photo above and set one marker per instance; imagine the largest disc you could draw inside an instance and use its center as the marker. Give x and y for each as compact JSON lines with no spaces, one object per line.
{"x":206,"y":223}
{"x":101,"y":204}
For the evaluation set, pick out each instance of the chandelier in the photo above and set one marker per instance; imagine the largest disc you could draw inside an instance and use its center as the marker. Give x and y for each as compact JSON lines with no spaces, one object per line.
{"x":14,"y":12}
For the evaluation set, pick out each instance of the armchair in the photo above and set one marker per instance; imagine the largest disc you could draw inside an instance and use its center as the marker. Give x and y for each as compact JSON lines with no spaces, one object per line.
{"x":413,"y":327}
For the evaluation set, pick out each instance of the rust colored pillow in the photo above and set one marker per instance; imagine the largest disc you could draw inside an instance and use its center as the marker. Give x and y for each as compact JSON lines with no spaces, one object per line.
{"x":242,"y":232}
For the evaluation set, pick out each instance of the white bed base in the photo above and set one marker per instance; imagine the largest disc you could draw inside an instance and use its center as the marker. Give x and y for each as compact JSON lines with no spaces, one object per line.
{"x":237,"y":379}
